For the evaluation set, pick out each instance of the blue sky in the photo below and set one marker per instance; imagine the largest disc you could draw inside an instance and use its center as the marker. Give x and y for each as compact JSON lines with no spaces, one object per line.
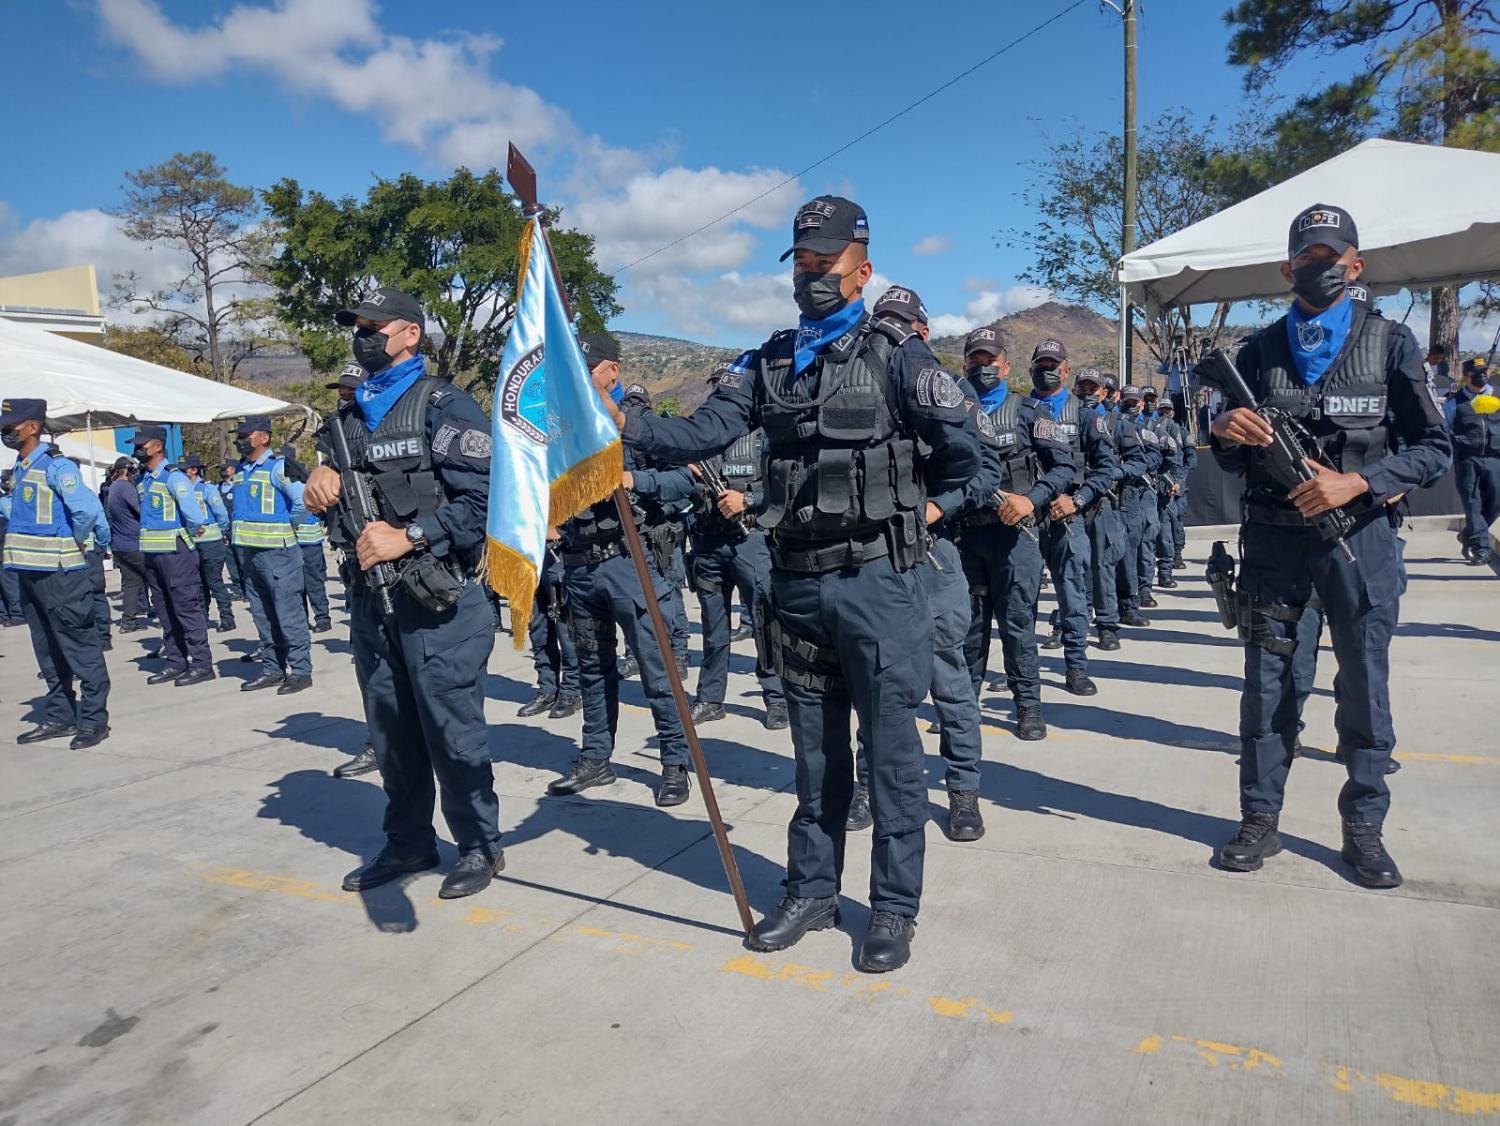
{"x":645,"y":121}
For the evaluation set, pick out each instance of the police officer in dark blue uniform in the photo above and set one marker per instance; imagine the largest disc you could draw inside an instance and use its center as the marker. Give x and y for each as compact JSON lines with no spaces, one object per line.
{"x":52,"y":515}
{"x":1141,"y":493}
{"x":424,"y":446}
{"x":1170,"y":484}
{"x":1000,"y":545}
{"x":1189,"y":463}
{"x":553,"y":654}
{"x":267,"y":504}
{"x":729,"y":550}
{"x":1066,"y":538}
{"x":171,"y":519}
{"x":954,"y":696}
{"x":1356,"y":381}
{"x":603,"y":592}
{"x":1476,"y":457}
{"x":1108,"y":540}
{"x":844,"y":400}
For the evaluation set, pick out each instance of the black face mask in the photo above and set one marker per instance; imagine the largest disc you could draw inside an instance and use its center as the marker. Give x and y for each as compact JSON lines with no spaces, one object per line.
{"x":369,"y":350}
{"x":818,"y":295}
{"x":1046,"y":380}
{"x":242,"y":445}
{"x":144,"y":458}
{"x":1320,"y":284}
{"x":11,"y":438}
{"x":984,"y":376}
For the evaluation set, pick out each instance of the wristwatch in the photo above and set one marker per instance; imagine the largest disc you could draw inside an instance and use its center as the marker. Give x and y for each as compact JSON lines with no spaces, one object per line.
{"x":416,"y":536}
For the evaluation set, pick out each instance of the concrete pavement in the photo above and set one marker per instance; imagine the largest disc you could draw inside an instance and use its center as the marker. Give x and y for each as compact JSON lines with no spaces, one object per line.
{"x":175,"y":948}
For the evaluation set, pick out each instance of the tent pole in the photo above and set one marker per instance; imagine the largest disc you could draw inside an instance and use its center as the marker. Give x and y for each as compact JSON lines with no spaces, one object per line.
{"x":88,"y":425}
{"x":1124,"y":344}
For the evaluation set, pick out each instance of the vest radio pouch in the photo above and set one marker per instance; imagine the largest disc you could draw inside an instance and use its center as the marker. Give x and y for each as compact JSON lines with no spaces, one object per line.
{"x":768,"y":634}
{"x":431,"y":584}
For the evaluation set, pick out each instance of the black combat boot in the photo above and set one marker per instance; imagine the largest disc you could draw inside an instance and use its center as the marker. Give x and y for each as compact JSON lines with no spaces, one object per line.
{"x":743,"y":632}
{"x":1165,"y":580}
{"x":1109,"y":638}
{"x":1253,"y":843}
{"x":629,"y":666}
{"x":1134,"y":618}
{"x":473,"y":873}
{"x":1366,"y":854}
{"x":706,"y":711}
{"x":776,"y":717}
{"x":1148,"y":602}
{"x":1029,"y":723}
{"x":964,"y":820}
{"x":539,"y":703}
{"x":792,"y":919}
{"x":860,"y":818}
{"x":675,"y":786}
{"x":584,"y":772}
{"x":887,"y":944}
{"x":1054,"y":640}
{"x":567,"y":704}
{"x":1077,"y":682}
{"x":1178,"y":564}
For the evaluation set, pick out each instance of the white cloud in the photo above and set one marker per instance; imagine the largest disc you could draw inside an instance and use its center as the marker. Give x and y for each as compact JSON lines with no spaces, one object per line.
{"x":989,"y":305}
{"x":933,"y":244}
{"x":753,"y":305}
{"x":971,"y":284}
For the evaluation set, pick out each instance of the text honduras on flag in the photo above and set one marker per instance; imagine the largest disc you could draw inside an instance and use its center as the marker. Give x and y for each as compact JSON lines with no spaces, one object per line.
{"x":556,"y":452}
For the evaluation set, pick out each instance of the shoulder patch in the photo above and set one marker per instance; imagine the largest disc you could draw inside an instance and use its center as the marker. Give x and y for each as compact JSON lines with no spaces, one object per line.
{"x":1044,"y":430}
{"x":936,"y":388}
{"x":444,"y":438}
{"x":985,"y":423}
{"x":474,"y":444}
{"x":1100,"y":426}
{"x":730,"y":378}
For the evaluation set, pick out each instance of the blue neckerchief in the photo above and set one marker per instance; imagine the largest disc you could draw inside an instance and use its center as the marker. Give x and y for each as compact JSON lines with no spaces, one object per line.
{"x":617,"y":393}
{"x":1053,"y":402}
{"x":990,"y":401}
{"x":378,"y":394}
{"x":1317,"y":340}
{"x":813,"y":336}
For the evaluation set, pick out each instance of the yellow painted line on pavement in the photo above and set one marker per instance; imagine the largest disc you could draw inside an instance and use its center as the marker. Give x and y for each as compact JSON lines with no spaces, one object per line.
{"x":847,"y":986}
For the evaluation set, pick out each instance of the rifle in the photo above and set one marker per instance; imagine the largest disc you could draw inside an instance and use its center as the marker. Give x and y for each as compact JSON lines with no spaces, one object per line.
{"x":359,"y":502}
{"x":1287,"y":455}
{"x":714,"y":486}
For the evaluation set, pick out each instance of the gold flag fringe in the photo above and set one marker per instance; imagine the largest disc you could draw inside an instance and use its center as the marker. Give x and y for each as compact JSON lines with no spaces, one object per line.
{"x":510,"y":574}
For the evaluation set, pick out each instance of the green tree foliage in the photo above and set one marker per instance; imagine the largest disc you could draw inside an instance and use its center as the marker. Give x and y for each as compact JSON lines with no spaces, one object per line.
{"x":1425,"y":72}
{"x":188,"y":204}
{"x":453,"y":243}
{"x":1078,"y":192}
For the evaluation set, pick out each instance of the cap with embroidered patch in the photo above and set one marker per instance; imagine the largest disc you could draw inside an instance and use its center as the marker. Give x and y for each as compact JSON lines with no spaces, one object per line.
{"x":1050,"y":350}
{"x":903,"y":303}
{"x":352,"y":376}
{"x":385,"y":304}
{"x":828,"y":224}
{"x":1088,"y":375}
{"x":252,"y":424}
{"x":986,"y":338}
{"x":13,"y":411}
{"x":1130,"y":393}
{"x":144,"y":434}
{"x":1322,"y":225}
{"x":598,"y":347}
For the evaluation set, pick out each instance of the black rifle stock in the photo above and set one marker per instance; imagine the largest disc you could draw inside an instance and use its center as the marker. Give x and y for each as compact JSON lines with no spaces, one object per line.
{"x":1287,"y":455}
{"x":714,"y":487}
{"x":359,"y":501}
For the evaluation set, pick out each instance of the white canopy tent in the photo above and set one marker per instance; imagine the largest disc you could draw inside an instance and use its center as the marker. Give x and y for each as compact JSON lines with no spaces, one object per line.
{"x":1427,"y":216}
{"x":88,"y":387}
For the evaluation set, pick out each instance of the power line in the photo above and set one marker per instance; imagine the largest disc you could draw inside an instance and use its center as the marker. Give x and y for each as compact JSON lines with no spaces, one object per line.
{"x":927,"y":97}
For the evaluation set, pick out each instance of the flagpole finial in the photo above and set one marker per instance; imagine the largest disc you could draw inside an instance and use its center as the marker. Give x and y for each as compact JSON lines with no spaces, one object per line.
{"x":522,"y":178}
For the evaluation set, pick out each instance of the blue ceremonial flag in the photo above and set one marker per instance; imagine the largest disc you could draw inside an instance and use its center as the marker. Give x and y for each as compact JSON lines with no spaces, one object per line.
{"x":555,"y":451}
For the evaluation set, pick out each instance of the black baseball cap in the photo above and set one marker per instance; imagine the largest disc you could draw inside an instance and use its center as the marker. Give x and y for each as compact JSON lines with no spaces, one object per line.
{"x":1322,"y":224}
{"x":1167,"y":405}
{"x":1477,"y":366}
{"x":13,"y":411}
{"x":385,"y":304}
{"x":1049,"y":349}
{"x":352,"y":376}
{"x":251,"y":425}
{"x":1150,"y":393}
{"x":1088,"y":375}
{"x":597,"y":347}
{"x":828,"y":224}
{"x":1130,"y":393}
{"x":1108,"y":383}
{"x":986,"y":338}
{"x":144,"y":434}
{"x":192,"y":461}
{"x":902,"y":303}
{"x":121,"y":463}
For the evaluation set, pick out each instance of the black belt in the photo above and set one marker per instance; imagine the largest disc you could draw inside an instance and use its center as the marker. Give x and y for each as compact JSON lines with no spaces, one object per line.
{"x":828,"y":557}
{"x":594,"y":553}
{"x":1280,"y":515}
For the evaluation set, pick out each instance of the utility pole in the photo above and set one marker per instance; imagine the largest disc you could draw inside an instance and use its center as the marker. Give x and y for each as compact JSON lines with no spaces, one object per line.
{"x":1127,"y":11}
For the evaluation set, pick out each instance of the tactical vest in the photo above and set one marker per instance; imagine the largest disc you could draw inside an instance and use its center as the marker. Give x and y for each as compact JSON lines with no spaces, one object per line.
{"x":600,"y":525}
{"x":211,"y":530}
{"x":839,"y":468}
{"x":743,"y":462}
{"x":398,"y":456}
{"x":40,"y":536}
{"x":1069,"y":432}
{"x":1003,"y":431}
{"x":262,"y":517}
{"x":161,"y":526}
{"x":1474,"y":434}
{"x":1345,"y":411}
{"x":310,"y":530}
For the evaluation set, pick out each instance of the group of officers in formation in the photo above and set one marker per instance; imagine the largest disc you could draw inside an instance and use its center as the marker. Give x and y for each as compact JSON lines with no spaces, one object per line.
{"x":878,"y":515}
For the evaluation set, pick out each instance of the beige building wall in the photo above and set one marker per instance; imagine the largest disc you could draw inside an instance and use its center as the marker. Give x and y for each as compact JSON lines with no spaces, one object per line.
{"x":63,"y":301}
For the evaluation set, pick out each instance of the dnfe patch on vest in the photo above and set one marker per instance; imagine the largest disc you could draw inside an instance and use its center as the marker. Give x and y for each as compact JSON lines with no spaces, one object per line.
{"x":443,"y":439}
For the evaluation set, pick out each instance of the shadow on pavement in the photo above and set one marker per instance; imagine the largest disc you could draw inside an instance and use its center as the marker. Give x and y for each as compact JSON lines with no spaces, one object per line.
{"x":345,"y":815}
